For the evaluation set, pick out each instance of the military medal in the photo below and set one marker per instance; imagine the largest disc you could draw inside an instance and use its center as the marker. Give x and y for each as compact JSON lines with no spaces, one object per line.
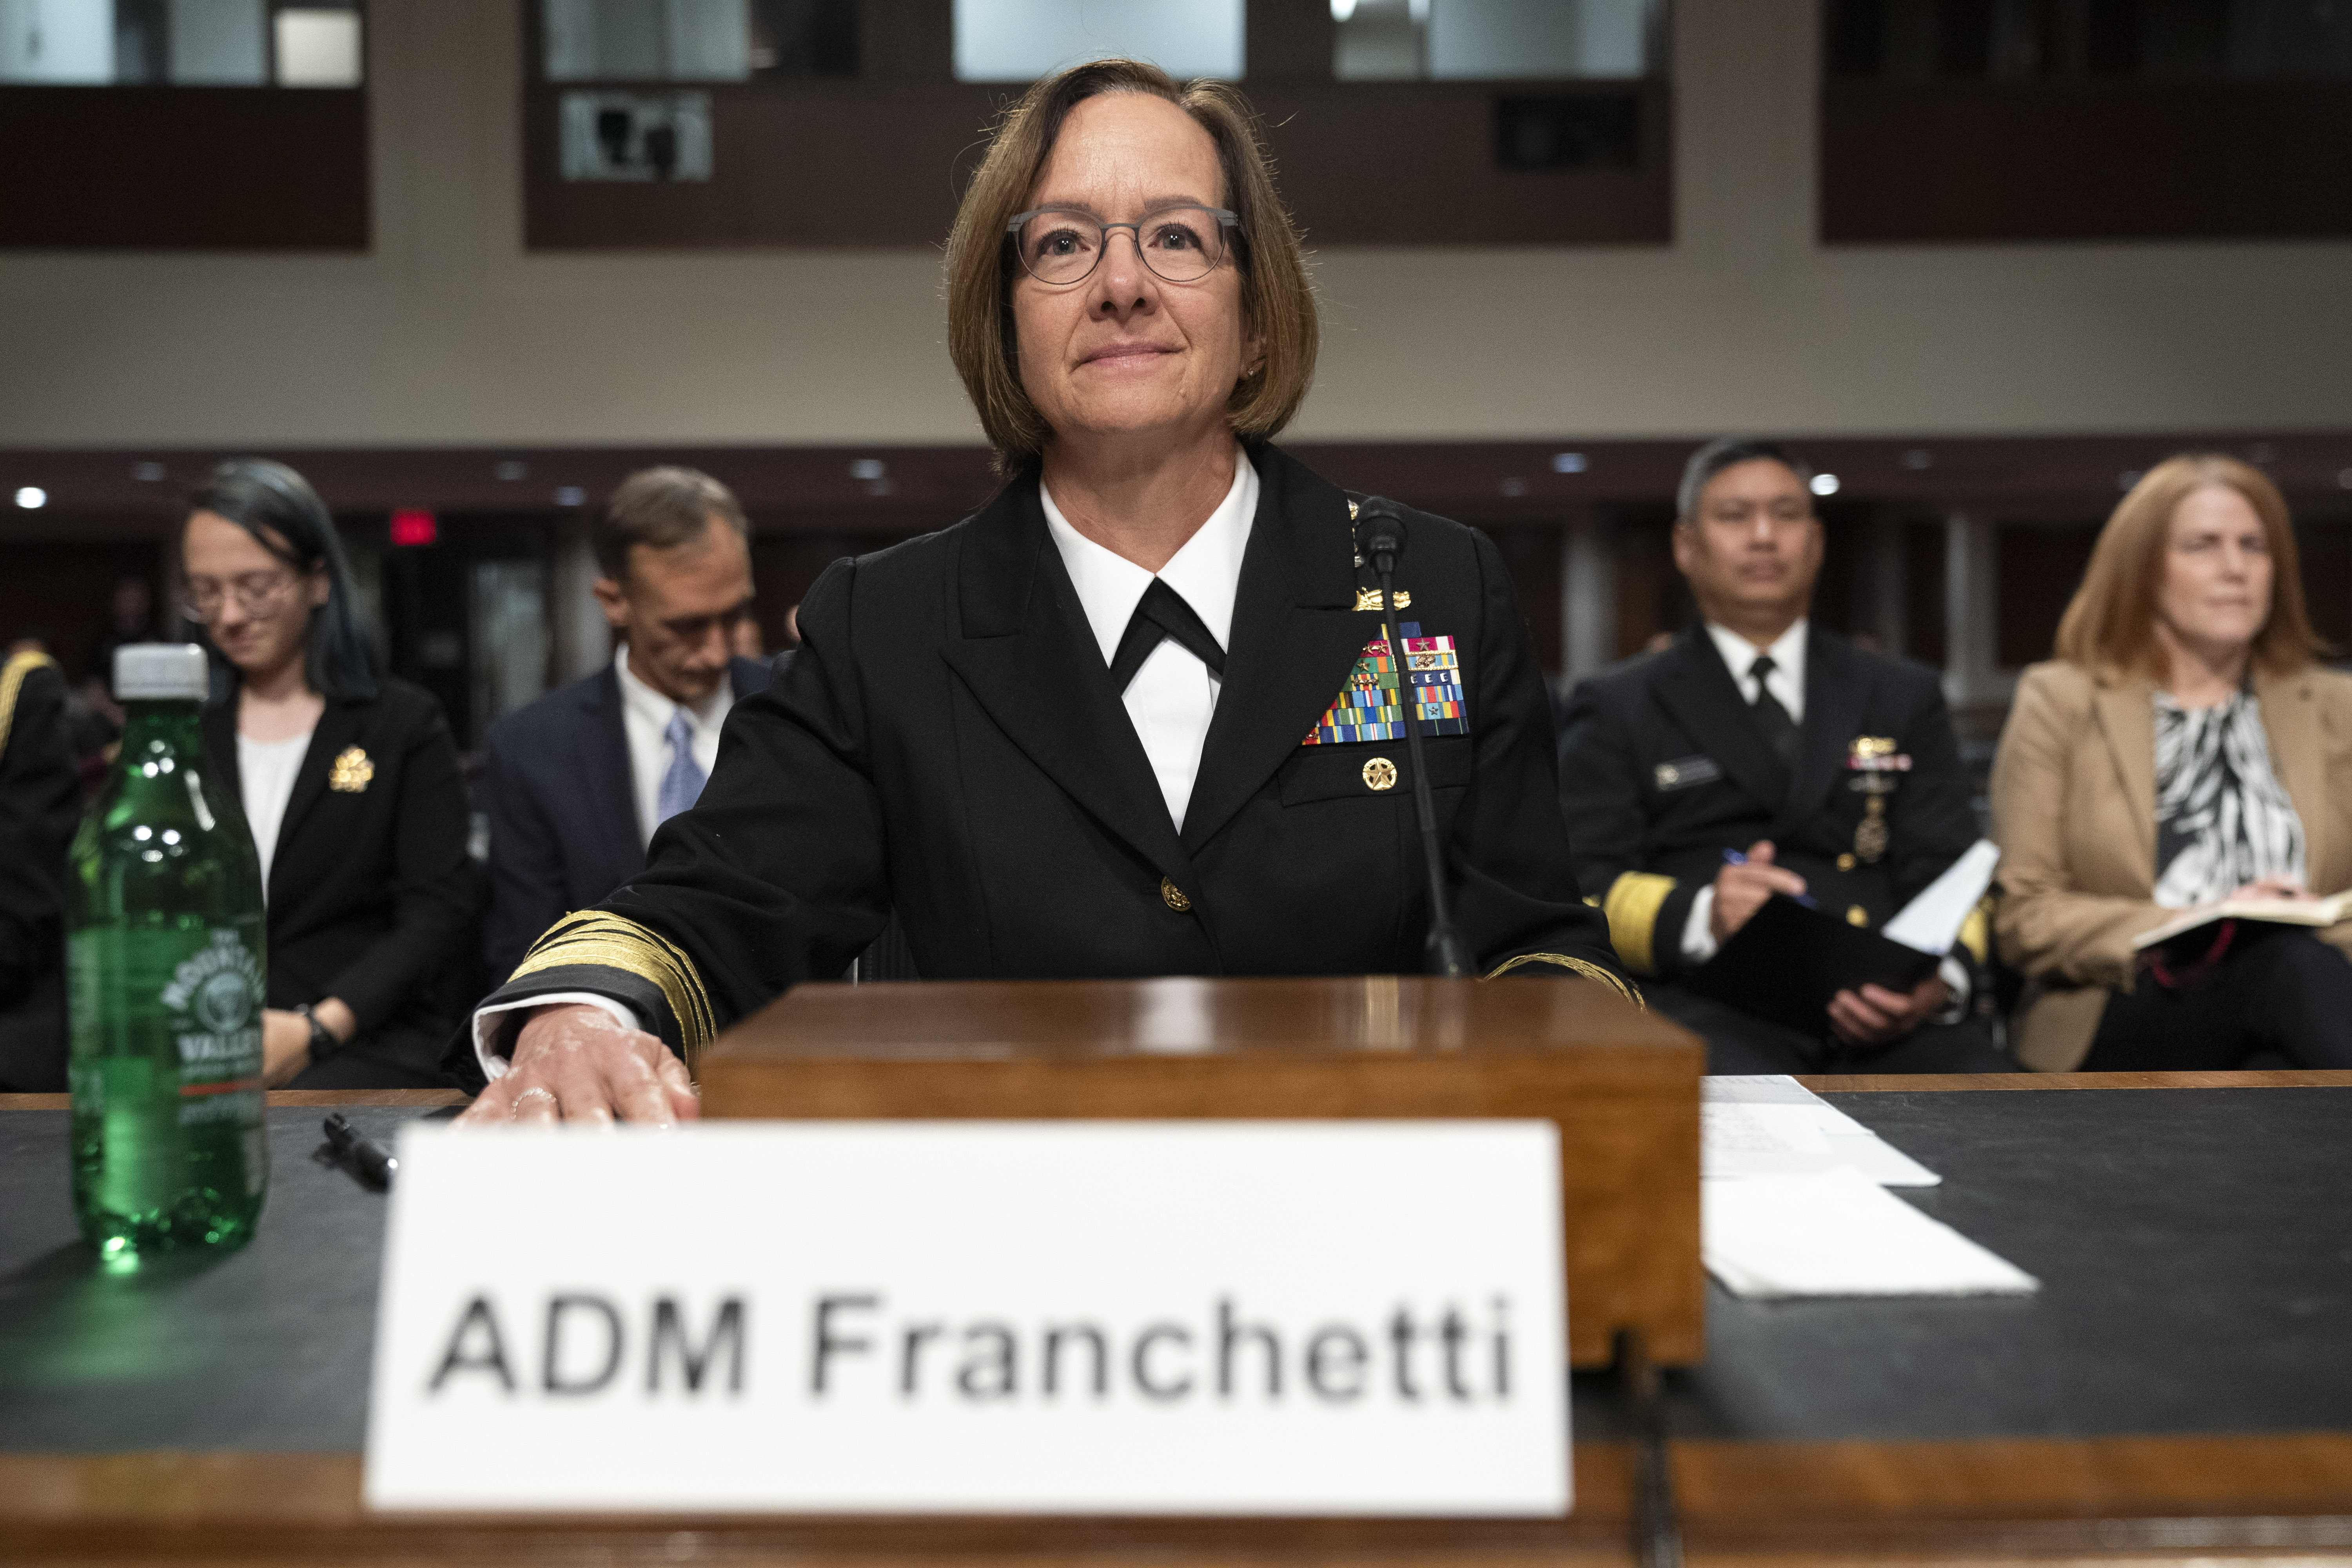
{"x":1870,"y":837}
{"x":1371,"y":706}
{"x":1877,"y":770}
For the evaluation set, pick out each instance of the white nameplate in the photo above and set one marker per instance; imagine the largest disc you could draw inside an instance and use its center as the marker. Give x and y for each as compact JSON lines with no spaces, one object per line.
{"x":1056,"y":1317}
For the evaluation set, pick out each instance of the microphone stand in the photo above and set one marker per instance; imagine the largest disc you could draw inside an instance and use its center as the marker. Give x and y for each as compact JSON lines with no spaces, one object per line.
{"x":1384,"y":542}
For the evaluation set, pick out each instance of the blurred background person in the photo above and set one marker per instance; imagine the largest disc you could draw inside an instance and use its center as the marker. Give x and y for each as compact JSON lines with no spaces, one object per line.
{"x":1700,"y":781}
{"x":348,"y":780}
{"x":2183,"y":748}
{"x":40,"y":805}
{"x":576,"y":783}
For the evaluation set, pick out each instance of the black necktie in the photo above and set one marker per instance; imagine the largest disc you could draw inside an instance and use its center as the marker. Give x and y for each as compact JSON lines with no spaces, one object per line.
{"x":1163,"y":613}
{"x":1780,"y":729}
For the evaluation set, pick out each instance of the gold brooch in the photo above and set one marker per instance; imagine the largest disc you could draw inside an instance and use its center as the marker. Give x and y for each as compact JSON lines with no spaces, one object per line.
{"x":1369,"y":598}
{"x":1379,"y":774}
{"x":351,"y":771}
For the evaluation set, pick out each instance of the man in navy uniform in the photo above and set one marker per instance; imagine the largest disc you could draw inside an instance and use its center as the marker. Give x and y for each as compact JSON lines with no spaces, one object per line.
{"x":578,"y":781}
{"x":1761,"y":754}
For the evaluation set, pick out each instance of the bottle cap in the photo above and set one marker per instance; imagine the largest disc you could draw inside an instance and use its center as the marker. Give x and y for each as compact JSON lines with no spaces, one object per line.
{"x":160,"y":671}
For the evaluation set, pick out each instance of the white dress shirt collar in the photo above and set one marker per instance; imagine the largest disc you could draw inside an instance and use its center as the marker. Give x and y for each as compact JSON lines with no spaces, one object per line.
{"x":644,"y":723}
{"x":1787,"y":651}
{"x":1174,"y":696}
{"x":1205,"y":572}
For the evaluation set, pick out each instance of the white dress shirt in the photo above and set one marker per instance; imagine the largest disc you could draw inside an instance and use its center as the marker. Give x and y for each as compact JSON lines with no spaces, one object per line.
{"x":1172,"y":697}
{"x":265,"y":784}
{"x":1787,"y":680}
{"x":644,"y":716}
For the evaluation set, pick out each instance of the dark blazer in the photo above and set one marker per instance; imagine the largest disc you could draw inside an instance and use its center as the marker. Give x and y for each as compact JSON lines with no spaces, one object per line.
{"x":40,"y":805}
{"x":369,"y":892}
{"x":562,"y":807}
{"x":947,"y":743}
{"x":1662,"y":768}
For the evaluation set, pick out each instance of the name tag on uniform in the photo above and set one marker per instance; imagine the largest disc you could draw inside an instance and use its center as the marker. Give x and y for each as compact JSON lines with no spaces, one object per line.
{"x":1066,"y":1317}
{"x":1685,"y":771}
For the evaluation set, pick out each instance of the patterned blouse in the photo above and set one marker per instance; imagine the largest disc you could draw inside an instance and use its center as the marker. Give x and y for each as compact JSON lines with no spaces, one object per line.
{"x":2223,"y":819}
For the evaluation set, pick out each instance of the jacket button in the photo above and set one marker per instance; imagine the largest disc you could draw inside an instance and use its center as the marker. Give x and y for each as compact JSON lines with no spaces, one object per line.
{"x":1855,"y":915}
{"x":1845,"y":862}
{"x":1173,"y":896}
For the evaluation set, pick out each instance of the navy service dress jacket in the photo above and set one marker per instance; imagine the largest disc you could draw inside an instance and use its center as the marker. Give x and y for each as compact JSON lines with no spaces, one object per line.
{"x":1662,"y":768}
{"x":948,"y":744}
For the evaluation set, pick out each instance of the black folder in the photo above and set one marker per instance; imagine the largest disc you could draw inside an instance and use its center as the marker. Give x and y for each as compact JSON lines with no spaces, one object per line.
{"x":1790,"y":959}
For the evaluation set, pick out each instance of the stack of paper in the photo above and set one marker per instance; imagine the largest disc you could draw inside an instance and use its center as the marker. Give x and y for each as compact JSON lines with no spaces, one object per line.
{"x":1841,"y":1234}
{"x":1793,"y":1203}
{"x":1776,"y":1127}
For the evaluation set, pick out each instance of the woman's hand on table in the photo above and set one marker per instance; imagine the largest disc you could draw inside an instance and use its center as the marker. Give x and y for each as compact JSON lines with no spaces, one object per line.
{"x":577,"y":1063}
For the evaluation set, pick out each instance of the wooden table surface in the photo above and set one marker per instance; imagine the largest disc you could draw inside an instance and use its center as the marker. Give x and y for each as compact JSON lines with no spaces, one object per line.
{"x":2266,"y":1498}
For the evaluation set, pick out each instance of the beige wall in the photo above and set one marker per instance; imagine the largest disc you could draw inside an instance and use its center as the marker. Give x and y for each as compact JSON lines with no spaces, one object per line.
{"x":448,"y":334}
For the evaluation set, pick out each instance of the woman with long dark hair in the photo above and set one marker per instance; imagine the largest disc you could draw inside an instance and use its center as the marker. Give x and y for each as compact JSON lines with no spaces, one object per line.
{"x":347,"y":778}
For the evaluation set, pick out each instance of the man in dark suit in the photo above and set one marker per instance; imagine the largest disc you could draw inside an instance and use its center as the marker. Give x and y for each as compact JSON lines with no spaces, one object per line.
{"x":1759,"y":754}
{"x":578,"y":781}
{"x":40,"y":802}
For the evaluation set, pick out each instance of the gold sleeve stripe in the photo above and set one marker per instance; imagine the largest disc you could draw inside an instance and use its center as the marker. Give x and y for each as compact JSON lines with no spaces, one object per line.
{"x":1632,"y":906}
{"x":12,"y":682}
{"x":1591,"y":971}
{"x":1975,"y":930}
{"x":591,"y":937}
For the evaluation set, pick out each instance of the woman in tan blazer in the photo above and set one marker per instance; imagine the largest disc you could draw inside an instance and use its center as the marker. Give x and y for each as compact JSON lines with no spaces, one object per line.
{"x":2178,"y":752}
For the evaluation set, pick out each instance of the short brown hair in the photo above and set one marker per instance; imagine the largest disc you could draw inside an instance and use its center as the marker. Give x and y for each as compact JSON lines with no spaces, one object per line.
{"x":661,"y":508}
{"x":2110,"y":626}
{"x":1277,"y":301}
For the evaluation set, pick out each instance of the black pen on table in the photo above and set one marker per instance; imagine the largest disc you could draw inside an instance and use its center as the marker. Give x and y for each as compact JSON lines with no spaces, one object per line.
{"x":365,"y":1156}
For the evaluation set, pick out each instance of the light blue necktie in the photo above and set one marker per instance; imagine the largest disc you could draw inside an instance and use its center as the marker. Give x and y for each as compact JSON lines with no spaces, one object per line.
{"x":682,"y":784}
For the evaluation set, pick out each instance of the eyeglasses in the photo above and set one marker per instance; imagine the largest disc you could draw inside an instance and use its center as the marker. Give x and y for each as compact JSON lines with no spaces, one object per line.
{"x":255,"y":593}
{"x":1062,"y":245}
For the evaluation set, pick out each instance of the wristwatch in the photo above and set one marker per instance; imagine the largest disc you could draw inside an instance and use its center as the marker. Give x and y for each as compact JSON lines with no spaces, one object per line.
{"x":323,"y":1042}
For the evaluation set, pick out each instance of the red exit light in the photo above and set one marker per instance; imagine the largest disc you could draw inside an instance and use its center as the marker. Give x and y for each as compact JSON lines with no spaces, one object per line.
{"x":415,"y":528}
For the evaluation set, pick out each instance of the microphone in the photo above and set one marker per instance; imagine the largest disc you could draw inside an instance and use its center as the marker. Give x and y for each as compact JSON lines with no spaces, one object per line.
{"x":1383,"y":533}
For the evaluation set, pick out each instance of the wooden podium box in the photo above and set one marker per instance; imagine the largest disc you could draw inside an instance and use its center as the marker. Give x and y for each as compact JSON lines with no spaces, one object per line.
{"x":1621,"y":1085}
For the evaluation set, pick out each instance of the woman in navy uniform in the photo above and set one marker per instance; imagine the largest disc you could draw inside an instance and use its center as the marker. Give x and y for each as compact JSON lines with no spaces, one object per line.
{"x":1133,"y":718}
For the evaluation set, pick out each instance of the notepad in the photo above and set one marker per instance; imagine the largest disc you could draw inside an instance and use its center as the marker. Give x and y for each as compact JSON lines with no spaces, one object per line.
{"x":1790,"y":959}
{"x":2314,"y":912}
{"x":1838,"y":1233}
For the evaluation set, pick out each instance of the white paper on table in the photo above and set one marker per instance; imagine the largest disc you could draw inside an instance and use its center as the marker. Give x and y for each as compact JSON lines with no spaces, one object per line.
{"x":1838,"y":1233}
{"x":1749,"y":1125}
{"x":1932,"y":921}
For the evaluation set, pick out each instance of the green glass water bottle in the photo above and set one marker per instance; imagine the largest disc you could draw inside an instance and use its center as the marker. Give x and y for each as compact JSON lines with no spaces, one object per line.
{"x":165,"y":962}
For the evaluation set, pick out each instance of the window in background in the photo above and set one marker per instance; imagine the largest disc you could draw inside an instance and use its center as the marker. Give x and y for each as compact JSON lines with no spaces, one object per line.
{"x":1021,"y":40}
{"x":317,"y":47}
{"x":181,"y":43}
{"x":698,"y":40}
{"x":637,"y":136}
{"x":2010,"y":40}
{"x":510,"y":638}
{"x":1487,"y":40}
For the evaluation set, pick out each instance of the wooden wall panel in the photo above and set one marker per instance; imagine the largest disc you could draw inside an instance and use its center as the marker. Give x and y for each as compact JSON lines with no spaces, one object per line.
{"x":1959,"y":161}
{"x":188,"y":168}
